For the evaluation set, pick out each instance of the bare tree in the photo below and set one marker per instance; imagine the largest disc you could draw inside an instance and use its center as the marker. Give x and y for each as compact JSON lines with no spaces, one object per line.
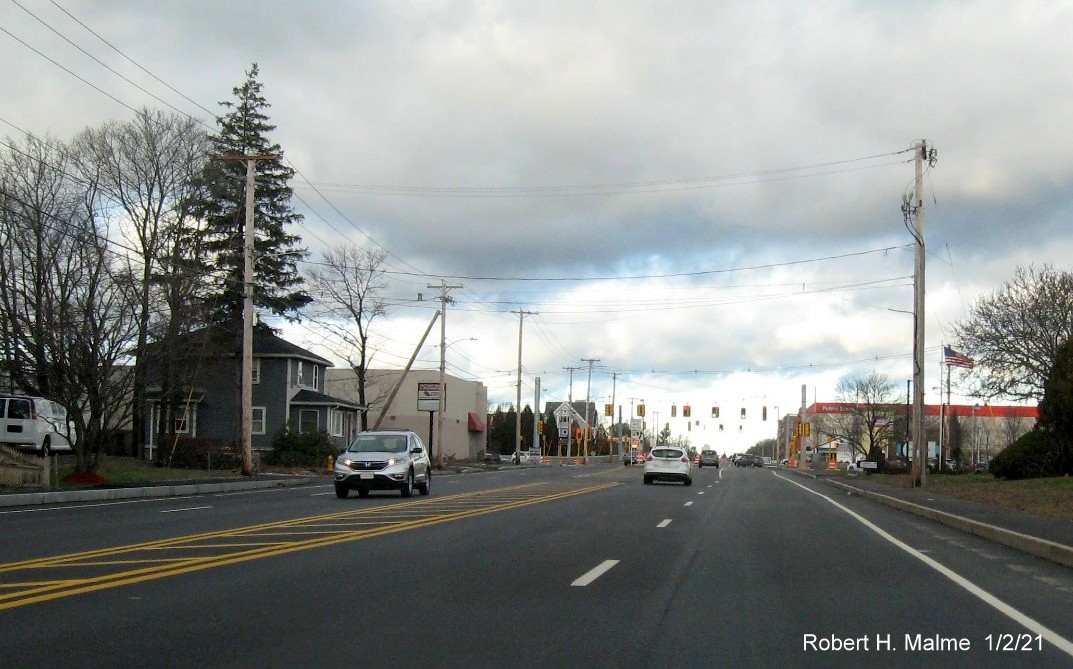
{"x":146,"y":169}
{"x":348,"y":299}
{"x":1014,"y":333}
{"x":868,"y":424}
{"x":66,"y":315}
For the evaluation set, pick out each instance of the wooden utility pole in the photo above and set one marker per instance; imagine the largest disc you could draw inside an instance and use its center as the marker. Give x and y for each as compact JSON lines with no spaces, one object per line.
{"x":915,"y":209}
{"x":518,"y":405}
{"x":588,"y":422}
{"x":443,"y":369}
{"x":246,"y":411}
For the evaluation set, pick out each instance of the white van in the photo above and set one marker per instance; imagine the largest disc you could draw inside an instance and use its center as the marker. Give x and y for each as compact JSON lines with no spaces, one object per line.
{"x":34,"y":424}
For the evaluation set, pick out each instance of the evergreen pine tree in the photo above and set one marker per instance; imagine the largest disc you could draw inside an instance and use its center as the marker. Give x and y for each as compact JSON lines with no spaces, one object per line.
{"x":221,"y":206}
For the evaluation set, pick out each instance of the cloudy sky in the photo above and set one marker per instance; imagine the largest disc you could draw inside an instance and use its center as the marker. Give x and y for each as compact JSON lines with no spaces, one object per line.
{"x":704,"y":196}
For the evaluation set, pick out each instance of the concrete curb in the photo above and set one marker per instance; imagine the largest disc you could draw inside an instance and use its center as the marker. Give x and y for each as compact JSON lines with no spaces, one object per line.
{"x":1043,"y":548}
{"x":107,"y":494}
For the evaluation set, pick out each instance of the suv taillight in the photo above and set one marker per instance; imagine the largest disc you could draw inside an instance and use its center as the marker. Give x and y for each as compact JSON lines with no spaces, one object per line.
{"x":685,"y":459}
{"x":649,"y":457}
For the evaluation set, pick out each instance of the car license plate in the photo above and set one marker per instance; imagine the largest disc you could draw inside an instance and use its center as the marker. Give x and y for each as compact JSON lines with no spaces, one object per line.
{"x":365,"y":475}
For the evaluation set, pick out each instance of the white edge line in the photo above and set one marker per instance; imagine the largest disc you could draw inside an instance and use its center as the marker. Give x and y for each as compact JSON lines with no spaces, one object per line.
{"x":1002,"y":607}
{"x":189,"y":508}
{"x":594,"y":573}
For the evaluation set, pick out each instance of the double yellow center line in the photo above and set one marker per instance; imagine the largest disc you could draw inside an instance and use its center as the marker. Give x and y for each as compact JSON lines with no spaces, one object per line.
{"x":48,"y":578}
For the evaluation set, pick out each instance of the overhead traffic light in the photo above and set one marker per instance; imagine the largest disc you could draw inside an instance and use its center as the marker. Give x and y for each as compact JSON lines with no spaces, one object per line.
{"x":743,"y":413}
{"x":686,"y":411}
{"x":674,"y":410}
{"x":609,"y":410}
{"x":715,"y":412}
{"x":763,"y":413}
{"x":641,"y":410}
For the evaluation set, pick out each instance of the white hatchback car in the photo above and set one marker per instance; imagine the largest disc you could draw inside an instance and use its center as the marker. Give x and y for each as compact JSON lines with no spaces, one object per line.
{"x":668,"y":463}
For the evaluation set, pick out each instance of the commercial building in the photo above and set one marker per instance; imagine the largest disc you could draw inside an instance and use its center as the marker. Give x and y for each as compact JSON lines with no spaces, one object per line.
{"x":415,"y":403}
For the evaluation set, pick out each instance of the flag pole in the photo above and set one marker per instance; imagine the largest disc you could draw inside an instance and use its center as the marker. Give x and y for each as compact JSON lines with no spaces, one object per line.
{"x":942,"y":408}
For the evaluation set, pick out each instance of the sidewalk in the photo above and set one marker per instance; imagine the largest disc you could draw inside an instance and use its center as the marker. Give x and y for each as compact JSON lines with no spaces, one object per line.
{"x":1044,"y":537}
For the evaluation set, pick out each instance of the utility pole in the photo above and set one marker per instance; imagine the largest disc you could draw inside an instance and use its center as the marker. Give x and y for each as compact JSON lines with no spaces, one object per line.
{"x":246,"y":391}
{"x":443,"y":368}
{"x":618,"y":430}
{"x":915,"y":211}
{"x":588,"y":423}
{"x":536,"y":414}
{"x":570,"y":403}
{"x":518,"y":407}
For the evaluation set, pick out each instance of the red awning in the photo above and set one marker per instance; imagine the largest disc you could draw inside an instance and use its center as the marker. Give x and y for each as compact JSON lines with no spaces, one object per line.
{"x":475,"y":423}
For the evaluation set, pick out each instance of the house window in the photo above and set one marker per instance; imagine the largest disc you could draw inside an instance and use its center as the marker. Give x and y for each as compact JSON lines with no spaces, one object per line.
{"x":186,"y":419}
{"x":308,"y":420}
{"x":298,"y":377}
{"x":337,"y":423}
{"x":256,"y":372}
{"x":316,"y":377}
{"x":257,"y":420}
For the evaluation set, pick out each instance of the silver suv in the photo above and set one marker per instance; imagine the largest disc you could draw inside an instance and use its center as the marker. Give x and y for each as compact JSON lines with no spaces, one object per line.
{"x":384,"y":460}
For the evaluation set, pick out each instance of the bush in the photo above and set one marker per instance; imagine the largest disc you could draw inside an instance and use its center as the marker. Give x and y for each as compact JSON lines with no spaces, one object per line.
{"x":300,"y":449}
{"x":1034,"y":455}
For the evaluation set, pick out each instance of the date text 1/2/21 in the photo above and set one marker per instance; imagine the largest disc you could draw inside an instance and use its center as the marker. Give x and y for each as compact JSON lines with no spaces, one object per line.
{"x":1014,"y":642}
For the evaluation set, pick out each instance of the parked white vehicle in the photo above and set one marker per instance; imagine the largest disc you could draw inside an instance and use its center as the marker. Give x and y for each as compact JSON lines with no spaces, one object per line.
{"x":34,"y":424}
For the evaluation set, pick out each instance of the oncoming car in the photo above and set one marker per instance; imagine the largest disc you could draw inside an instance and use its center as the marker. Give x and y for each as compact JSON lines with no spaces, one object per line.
{"x":668,"y":463}
{"x":384,"y":460}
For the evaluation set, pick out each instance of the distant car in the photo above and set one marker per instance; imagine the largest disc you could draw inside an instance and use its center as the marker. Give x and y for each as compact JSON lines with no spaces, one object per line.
{"x":749,"y":460}
{"x":668,"y":463}
{"x":384,"y":460}
{"x":491,"y":457}
{"x":981,"y":468}
{"x":34,"y":424}
{"x":710,"y":458}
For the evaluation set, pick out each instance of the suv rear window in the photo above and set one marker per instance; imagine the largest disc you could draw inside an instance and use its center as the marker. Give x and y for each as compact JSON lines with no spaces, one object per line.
{"x":667,"y":453}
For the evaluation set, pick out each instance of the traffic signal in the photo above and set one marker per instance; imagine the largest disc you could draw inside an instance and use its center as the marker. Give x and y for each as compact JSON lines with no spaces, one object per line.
{"x":641,"y":410}
{"x":674,"y":410}
{"x":743,"y":413}
{"x":715,"y":412}
{"x":686,"y":411}
{"x":720,"y":427}
{"x":609,"y":410}
{"x":540,"y":427}
{"x":763,"y":413}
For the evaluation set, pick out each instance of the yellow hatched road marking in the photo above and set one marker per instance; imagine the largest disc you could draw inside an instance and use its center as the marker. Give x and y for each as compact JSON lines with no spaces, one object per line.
{"x":389,"y":522}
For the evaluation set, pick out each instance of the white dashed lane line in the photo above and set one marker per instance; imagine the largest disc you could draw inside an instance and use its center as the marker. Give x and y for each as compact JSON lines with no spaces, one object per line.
{"x":594,"y":573}
{"x":665,"y":523}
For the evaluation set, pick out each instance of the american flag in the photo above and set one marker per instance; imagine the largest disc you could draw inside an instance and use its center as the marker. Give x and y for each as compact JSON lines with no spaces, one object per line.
{"x":952,"y":357}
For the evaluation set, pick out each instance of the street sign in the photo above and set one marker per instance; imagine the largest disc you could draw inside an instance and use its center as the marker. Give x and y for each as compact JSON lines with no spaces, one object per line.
{"x":428,"y":396}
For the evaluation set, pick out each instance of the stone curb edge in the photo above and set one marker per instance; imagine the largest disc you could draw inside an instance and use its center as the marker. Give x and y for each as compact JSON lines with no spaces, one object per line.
{"x":1043,"y":548}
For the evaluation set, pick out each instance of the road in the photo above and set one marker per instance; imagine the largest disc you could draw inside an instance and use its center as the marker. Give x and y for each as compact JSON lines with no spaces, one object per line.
{"x":526,"y":567}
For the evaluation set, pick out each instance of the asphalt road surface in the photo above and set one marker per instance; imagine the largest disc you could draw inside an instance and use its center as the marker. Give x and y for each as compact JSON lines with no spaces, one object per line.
{"x":527,"y":567}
